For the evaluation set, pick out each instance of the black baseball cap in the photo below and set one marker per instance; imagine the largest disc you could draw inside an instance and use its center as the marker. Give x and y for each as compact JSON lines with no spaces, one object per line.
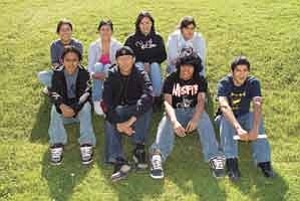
{"x":125,"y":50}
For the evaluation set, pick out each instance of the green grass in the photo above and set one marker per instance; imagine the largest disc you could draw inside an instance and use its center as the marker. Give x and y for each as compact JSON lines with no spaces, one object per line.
{"x":267,"y":31}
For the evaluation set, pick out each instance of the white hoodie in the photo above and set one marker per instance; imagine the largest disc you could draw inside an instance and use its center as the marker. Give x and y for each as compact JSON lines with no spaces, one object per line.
{"x":95,"y":52}
{"x":176,"y":43}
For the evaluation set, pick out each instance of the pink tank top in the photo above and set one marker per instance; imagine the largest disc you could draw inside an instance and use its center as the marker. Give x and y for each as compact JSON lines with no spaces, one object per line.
{"x":104,"y":59}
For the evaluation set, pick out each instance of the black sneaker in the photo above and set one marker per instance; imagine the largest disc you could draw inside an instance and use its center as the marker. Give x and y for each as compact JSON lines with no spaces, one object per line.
{"x":156,"y":170}
{"x":86,"y":152}
{"x":122,"y":168}
{"x":266,"y":169}
{"x":233,"y":169}
{"x":217,"y":165}
{"x":139,"y":157}
{"x":56,"y":152}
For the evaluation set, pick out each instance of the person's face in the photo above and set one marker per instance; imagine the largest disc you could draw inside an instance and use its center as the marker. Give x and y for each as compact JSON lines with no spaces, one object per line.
{"x":240,"y":74}
{"x":188,"y":32}
{"x":105,"y":32}
{"x":145,"y":25}
{"x":186,"y":71}
{"x":71,"y":62}
{"x":65,"y":32}
{"x":125,"y":64}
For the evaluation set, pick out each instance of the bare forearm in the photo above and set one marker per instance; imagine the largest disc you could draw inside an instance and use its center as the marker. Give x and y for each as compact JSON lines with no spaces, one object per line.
{"x":170,"y":112}
{"x":256,"y":116}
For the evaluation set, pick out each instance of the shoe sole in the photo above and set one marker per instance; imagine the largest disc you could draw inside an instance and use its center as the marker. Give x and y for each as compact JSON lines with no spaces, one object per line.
{"x":55,"y":164}
{"x":140,"y":166}
{"x":86,"y":162}
{"x":156,"y":177}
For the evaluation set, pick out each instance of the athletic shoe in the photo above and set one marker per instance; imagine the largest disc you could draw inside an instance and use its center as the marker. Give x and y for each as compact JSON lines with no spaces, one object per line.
{"x":139,"y":157}
{"x":217,"y":165}
{"x":46,"y":91}
{"x":97,"y":108}
{"x":156,"y":169}
{"x":86,"y":152}
{"x":233,"y":169}
{"x":266,"y":169}
{"x":121,"y":170}
{"x":56,"y":152}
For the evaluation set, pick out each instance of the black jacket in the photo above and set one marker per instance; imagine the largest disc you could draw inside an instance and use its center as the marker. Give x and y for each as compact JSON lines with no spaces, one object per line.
{"x":148,"y":48}
{"x":135,"y":89}
{"x":58,"y":91}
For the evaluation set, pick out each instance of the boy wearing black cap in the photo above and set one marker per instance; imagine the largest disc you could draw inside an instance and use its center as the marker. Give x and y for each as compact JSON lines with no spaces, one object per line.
{"x":127,"y":102}
{"x":184,"y":95}
{"x":235,"y":93}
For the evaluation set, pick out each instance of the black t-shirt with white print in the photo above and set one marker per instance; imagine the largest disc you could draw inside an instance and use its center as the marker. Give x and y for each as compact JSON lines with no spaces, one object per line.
{"x":184,"y":93}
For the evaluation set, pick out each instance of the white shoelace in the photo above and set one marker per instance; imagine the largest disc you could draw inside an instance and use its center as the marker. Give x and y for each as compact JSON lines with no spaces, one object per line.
{"x":56,"y":153}
{"x":218,"y":163}
{"x":86,"y":152}
{"x":156,"y":162}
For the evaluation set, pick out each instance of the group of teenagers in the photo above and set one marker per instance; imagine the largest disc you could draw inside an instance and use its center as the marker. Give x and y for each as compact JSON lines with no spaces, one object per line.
{"x":123,"y":83}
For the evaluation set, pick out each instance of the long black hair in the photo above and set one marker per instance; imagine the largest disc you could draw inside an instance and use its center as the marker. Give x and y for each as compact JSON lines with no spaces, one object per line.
{"x":139,"y":18}
{"x":189,"y":56}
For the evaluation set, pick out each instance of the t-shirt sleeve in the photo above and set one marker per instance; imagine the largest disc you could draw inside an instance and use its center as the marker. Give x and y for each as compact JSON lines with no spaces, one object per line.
{"x":254,"y":88}
{"x":53,"y":54}
{"x":202,"y":84}
{"x":168,"y":86}
{"x":223,"y":88}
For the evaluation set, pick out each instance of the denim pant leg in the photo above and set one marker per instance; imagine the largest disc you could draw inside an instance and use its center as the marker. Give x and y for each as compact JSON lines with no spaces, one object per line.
{"x":113,"y":143}
{"x":260,"y":147}
{"x":113,"y":139}
{"x":210,"y":146}
{"x":141,"y":128}
{"x":228,"y":144}
{"x":45,"y":77}
{"x":57,"y":131}
{"x":165,"y":137}
{"x":87,"y":135}
{"x":97,"y":84}
{"x":155,"y":76}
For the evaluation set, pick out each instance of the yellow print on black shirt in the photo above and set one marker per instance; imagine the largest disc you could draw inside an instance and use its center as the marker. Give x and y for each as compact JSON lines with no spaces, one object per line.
{"x":236,"y":99}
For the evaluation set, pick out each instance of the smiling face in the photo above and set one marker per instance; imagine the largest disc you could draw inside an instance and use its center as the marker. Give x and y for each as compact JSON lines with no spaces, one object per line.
{"x":65,"y":32}
{"x":105,"y":32}
{"x":240,"y":74}
{"x":186,"y":71}
{"x":71,"y":62}
{"x":125,"y":64}
{"x":145,"y":25}
{"x":188,"y":32}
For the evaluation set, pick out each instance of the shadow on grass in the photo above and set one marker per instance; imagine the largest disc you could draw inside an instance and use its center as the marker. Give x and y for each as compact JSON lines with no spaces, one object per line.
{"x":138,"y":186}
{"x":39,"y":132}
{"x":253,"y":184}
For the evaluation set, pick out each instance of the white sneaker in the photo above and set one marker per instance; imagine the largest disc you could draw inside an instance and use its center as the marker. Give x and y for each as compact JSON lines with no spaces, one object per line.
{"x":97,"y":108}
{"x":86,"y":152}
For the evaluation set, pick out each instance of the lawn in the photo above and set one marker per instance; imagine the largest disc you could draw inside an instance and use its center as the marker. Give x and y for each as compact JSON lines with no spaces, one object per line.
{"x":267,"y":31}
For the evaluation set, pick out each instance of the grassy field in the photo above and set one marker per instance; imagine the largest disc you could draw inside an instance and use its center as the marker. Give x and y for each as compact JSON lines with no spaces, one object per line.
{"x":267,"y":31}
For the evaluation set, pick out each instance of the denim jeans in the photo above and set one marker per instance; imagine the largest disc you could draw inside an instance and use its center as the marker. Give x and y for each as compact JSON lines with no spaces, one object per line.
{"x":171,"y":68}
{"x":260,"y":147}
{"x":45,"y":77}
{"x":165,"y":134}
{"x":57,"y":131}
{"x":155,"y":77}
{"x":98,"y":84}
{"x":113,"y":138}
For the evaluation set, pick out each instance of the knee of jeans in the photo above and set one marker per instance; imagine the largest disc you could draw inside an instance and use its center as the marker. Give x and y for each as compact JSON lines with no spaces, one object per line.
{"x":86,"y":108}
{"x":98,"y":67}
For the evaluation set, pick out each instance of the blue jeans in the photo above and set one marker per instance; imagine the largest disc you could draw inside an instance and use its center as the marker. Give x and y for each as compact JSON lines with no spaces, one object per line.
{"x":57,"y":131}
{"x":165,"y":134}
{"x":98,"y":84}
{"x":171,"y":68}
{"x":260,"y":147}
{"x":155,"y":77}
{"x":113,"y":139}
{"x":45,"y":77}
